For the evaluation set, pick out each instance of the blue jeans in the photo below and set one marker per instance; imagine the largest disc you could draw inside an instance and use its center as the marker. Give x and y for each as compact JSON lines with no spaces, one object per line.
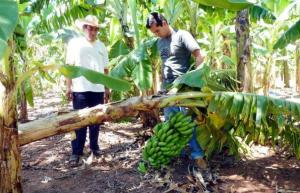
{"x":196,"y":150}
{"x":82,"y":100}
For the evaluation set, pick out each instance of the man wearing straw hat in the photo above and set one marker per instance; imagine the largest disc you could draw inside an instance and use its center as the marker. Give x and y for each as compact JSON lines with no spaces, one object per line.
{"x":86,"y":51}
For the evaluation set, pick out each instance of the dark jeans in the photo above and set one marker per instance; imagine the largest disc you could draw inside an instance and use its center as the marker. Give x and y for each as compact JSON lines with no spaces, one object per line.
{"x":83,"y":100}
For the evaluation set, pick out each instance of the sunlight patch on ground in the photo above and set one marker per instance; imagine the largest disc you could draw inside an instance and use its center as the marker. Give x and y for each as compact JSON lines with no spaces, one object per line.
{"x":259,"y":151}
{"x":243,"y":185}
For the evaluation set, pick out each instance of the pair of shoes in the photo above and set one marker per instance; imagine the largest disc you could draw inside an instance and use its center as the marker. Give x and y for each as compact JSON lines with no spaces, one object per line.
{"x":201,"y":163}
{"x":74,"y":160}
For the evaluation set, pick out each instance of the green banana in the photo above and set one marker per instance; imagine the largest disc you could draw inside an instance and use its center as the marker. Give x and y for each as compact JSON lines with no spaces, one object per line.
{"x":168,"y":140}
{"x":142,"y":168}
{"x":187,"y":132}
{"x":162,"y":144}
{"x":163,"y":137}
{"x":151,"y":151}
{"x":171,"y":130}
{"x":157,"y":128}
{"x":145,"y":155}
{"x":187,"y":119}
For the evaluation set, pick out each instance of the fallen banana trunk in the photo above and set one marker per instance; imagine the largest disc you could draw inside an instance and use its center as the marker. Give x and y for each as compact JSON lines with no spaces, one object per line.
{"x":43,"y":128}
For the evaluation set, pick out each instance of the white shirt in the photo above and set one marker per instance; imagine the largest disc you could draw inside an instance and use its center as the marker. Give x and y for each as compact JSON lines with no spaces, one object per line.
{"x":91,"y":55}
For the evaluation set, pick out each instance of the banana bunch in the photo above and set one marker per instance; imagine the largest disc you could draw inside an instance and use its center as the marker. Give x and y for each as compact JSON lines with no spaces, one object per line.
{"x":169,"y":139}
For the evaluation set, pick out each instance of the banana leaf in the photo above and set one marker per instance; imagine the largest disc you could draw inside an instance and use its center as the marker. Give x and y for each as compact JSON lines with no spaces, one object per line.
{"x":95,"y":77}
{"x":195,"y":78}
{"x":257,"y":12}
{"x":8,"y":21}
{"x":234,"y":5}
{"x":290,"y":36}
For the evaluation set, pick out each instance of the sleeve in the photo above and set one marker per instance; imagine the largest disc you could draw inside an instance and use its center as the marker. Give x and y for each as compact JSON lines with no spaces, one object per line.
{"x":189,"y":41}
{"x":70,"y":55}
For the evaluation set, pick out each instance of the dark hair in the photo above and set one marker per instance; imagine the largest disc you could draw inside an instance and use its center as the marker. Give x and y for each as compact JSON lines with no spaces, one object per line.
{"x":155,"y":18}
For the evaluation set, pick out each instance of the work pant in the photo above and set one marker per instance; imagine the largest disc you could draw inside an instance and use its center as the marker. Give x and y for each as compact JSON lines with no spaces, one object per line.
{"x":83,"y":100}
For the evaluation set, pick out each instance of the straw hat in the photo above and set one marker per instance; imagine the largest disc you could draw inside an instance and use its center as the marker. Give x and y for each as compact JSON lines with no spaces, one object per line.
{"x":88,"y":20}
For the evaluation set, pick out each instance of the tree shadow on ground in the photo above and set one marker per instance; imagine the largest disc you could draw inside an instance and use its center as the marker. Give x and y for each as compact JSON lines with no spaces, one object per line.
{"x":266,"y":174}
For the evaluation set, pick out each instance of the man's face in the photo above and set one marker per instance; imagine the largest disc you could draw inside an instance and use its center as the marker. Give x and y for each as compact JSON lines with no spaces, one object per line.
{"x":160,"y":31}
{"x":90,"y":32}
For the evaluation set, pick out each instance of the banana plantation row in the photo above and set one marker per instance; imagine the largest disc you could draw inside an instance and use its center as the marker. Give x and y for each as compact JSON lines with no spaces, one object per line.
{"x":250,"y":47}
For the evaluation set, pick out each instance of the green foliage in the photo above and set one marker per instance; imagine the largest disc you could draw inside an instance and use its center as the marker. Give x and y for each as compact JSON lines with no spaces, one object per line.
{"x":136,"y":65}
{"x":35,"y":6}
{"x":118,"y":48}
{"x":133,"y":7}
{"x":277,"y":6}
{"x":142,"y":75}
{"x":29,"y":93}
{"x":95,"y":77}
{"x":217,"y":80}
{"x":257,"y":12}
{"x":59,"y":14}
{"x":195,"y":78}
{"x":142,"y":168}
{"x":8,"y":21}
{"x":240,"y":118}
{"x":291,"y":35}
{"x":234,"y":5}
{"x":172,"y":10}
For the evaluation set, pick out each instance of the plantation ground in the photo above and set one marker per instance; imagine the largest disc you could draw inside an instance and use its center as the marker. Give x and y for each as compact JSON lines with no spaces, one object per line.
{"x":45,"y":168}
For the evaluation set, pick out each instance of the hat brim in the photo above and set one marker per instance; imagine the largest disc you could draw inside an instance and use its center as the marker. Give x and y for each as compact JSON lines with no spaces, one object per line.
{"x":80,"y":23}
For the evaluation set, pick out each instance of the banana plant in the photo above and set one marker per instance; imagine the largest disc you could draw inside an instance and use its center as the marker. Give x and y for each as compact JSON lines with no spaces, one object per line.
{"x":236,"y":119}
{"x":293,"y":32}
{"x":289,"y":36}
{"x":193,"y":15}
{"x":11,"y":181}
{"x":135,"y":66}
{"x":120,"y":10}
{"x":172,"y":10}
{"x":215,"y":24}
{"x":266,"y":37}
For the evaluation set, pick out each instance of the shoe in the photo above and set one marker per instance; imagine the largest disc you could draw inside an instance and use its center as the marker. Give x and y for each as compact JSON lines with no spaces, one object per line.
{"x":201,"y":163}
{"x":228,"y":161}
{"x":74,"y":160}
{"x":96,"y":153}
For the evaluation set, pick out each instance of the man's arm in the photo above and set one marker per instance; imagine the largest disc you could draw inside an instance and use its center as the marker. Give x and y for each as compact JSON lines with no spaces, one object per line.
{"x":107,"y":91}
{"x":70,"y":55}
{"x":192,"y":45}
{"x":69,"y":90}
{"x":198,"y":57}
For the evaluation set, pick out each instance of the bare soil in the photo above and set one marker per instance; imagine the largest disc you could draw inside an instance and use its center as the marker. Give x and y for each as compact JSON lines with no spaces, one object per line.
{"x":45,"y":167}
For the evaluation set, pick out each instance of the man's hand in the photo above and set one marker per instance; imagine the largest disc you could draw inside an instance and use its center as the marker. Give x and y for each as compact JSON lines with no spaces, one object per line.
{"x":199,"y":59}
{"x":69,"y":95}
{"x":106,"y":95}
